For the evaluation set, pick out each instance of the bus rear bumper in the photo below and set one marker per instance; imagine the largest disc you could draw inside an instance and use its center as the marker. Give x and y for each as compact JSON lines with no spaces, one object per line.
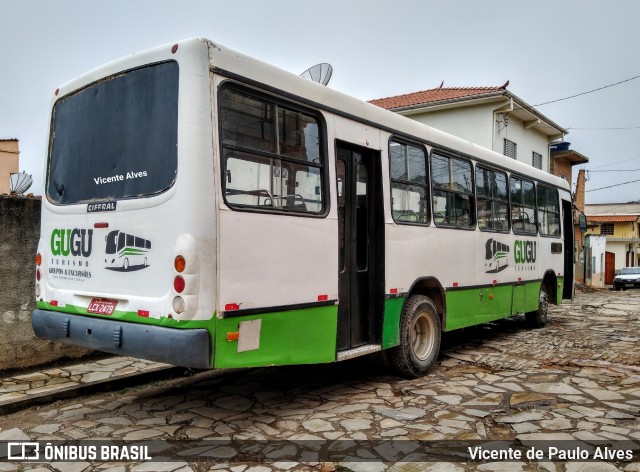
{"x":182,"y":347}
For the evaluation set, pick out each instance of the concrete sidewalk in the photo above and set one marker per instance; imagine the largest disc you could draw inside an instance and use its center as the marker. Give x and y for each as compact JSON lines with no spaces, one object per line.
{"x":19,"y":391}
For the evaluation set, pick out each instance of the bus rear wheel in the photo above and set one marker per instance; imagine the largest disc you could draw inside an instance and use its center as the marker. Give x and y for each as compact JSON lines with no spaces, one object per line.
{"x":540,"y":317}
{"x":420,"y":331}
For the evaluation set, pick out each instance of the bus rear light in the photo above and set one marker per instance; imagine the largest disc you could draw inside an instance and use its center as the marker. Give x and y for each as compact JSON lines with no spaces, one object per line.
{"x":57,"y":91}
{"x":180,"y":264}
{"x":38,"y":259}
{"x":231,"y":307}
{"x":143,"y":313}
{"x":393,"y":291}
{"x":101,"y":225}
{"x":37,"y":291}
{"x":455,"y":284}
{"x":179,"y":284}
{"x":174,"y":49}
{"x":323,"y":298}
{"x":38,"y":276}
{"x":53,"y":303}
{"x":178,"y":305}
{"x":233,"y":336}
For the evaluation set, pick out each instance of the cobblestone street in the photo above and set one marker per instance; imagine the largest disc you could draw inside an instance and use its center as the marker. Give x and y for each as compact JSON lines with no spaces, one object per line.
{"x":578,"y":379}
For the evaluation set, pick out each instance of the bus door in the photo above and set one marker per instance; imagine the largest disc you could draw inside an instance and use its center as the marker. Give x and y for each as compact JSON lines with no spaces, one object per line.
{"x":569,"y":263}
{"x":361,"y":246}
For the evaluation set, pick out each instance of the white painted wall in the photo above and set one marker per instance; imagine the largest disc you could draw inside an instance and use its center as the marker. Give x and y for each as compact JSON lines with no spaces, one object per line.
{"x":598,"y":245}
{"x":480,"y":125}
{"x":528,"y":140}
{"x":473,"y":123}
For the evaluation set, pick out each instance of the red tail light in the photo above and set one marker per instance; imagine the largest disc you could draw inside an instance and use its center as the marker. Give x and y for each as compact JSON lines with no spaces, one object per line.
{"x":179,"y":284}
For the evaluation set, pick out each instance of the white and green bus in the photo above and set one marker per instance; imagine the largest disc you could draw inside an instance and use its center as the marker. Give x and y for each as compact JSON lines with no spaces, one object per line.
{"x":279,"y":221}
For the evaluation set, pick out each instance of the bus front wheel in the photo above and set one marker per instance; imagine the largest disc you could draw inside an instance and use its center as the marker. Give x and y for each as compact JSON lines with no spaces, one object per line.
{"x":420,"y":332}
{"x":540,"y":317}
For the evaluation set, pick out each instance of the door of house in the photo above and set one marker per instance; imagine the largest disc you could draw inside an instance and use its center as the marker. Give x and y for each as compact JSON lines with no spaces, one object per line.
{"x":609,"y":267}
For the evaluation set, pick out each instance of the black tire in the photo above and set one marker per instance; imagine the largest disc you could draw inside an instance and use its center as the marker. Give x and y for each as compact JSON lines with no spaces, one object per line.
{"x":539,"y":318}
{"x":420,"y":332}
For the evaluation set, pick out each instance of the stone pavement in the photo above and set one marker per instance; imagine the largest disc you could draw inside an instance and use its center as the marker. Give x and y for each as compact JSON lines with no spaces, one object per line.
{"x":578,"y":379}
{"x":18,"y":391}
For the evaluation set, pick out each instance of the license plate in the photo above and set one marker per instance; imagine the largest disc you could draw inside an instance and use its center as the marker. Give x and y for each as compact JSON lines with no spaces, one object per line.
{"x":102,"y":306}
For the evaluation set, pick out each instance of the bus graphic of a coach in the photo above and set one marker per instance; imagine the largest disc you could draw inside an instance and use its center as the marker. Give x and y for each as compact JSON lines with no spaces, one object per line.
{"x":496,"y":256}
{"x":126,"y":252}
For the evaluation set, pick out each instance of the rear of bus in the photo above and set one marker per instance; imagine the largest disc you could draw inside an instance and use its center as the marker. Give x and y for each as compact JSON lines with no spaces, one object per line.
{"x":126,"y":257}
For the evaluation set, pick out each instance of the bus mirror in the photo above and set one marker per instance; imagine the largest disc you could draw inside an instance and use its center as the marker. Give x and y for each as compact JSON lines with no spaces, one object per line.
{"x":317,"y":190}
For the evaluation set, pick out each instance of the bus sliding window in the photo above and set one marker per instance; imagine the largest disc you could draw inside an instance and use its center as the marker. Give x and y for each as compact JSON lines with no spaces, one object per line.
{"x":452,"y":192}
{"x":271,"y":155}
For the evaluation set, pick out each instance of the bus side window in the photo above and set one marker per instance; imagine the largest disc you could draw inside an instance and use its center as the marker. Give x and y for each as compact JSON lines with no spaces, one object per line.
{"x":523,"y":206}
{"x":493,"y":200}
{"x":272,"y":157}
{"x":452,"y":191}
{"x":548,"y":207}
{"x":409,"y":183}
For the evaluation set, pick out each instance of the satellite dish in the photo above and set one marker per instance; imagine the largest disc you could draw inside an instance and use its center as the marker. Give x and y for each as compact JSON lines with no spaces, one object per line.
{"x":20,"y":182}
{"x":320,"y":73}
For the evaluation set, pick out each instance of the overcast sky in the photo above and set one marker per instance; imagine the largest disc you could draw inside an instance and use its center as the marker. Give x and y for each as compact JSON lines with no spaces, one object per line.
{"x":548,"y":49}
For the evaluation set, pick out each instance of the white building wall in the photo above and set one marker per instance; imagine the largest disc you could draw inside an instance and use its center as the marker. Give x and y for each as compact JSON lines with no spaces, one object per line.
{"x":528,"y":140}
{"x":473,"y":123}
{"x":481,"y":125}
{"x":598,"y":245}
{"x":619,"y":248}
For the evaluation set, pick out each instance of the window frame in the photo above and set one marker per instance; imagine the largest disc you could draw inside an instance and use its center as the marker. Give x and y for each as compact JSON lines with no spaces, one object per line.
{"x":507,"y":230}
{"x":536,"y":156}
{"x":558,"y":214}
{"x":276,"y":102}
{"x":506,"y":144}
{"x":608,"y":225}
{"x":426,"y":186}
{"x":512,"y":178}
{"x":472,"y":195}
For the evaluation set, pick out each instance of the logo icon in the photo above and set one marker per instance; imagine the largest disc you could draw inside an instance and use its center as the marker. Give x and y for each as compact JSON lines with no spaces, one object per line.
{"x":23,"y":451}
{"x":496,"y":256}
{"x":126,"y":252}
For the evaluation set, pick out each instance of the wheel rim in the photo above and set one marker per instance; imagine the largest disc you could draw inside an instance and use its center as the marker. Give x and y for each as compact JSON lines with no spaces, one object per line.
{"x":422,"y":336}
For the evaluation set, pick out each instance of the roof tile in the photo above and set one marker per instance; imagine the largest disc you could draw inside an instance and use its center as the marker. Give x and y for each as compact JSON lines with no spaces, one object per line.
{"x":613,"y":218}
{"x":433,"y":95}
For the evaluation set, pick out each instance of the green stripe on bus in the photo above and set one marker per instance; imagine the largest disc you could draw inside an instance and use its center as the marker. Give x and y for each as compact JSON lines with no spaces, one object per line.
{"x":304,"y":336}
{"x":481,"y":305}
{"x":391,"y":323}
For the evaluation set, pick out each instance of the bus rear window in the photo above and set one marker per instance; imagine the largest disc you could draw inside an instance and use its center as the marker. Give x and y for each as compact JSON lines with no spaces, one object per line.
{"x":116,"y":139}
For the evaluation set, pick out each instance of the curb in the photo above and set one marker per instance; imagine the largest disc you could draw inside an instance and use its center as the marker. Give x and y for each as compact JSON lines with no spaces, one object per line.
{"x":72,"y":391}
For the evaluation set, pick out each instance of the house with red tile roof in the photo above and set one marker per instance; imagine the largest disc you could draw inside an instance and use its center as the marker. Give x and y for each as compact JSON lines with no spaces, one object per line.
{"x":492,"y":117}
{"x":620,"y":223}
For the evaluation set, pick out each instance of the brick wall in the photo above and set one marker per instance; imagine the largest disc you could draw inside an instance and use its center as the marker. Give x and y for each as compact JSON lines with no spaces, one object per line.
{"x":19,"y":233}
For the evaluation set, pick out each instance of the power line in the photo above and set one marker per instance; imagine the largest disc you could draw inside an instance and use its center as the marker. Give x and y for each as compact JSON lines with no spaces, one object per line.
{"x":589,"y":91}
{"x":603,"y":129}
{"x":619,"y":162}
{"x":615,"y":185}
{"x":617,"y":170}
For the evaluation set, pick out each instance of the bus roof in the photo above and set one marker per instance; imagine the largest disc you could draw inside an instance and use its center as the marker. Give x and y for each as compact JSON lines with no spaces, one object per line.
{"x":229,"y":62}
{"x":233,"y":64}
